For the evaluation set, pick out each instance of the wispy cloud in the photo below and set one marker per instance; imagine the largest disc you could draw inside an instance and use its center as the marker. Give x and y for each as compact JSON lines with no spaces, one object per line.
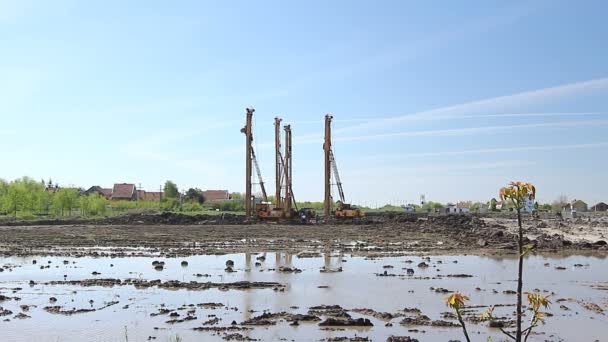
{"x":490,"y":104}
{"x":469,"y":130}
{"x":444,"y":168}
{"x":494,"y":150}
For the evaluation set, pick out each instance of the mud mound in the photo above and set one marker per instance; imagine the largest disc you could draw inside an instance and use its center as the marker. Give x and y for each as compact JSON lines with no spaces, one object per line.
{"x":390,"y":217}
{"x":469,"y":230}
{"x":556,"y":242}
{"x":166,"y":218}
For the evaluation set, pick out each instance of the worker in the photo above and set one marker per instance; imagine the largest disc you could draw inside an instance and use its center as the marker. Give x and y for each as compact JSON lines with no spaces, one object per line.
{"x":303,"y":218}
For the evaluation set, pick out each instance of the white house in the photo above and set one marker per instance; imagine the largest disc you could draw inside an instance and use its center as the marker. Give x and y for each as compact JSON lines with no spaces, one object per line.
{"x":459,"y":208}
{"x":409,"y":208}
{"x":462,"y":208}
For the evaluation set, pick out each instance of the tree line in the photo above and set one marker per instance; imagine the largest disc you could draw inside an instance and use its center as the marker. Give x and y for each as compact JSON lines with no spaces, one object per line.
{"x":26,"y":196}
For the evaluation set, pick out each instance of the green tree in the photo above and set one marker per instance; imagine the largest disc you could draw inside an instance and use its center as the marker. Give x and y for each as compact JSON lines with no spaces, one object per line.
{"x":14,"y":198}
{"x":171,"y":190}
{"x":3,"y":191}
{"x":84,"y":203}
{"x":431,"y":206}
{"x":34,"y":196}
{"x":93,"y":204}
{"x":65,"y":200}
{"x":99,"y":204}
{"x":43,"y":202}
{"x":195,"y":195}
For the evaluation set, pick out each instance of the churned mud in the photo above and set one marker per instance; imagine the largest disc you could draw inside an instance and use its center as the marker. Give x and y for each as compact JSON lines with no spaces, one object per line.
{"x":381,"y":234}
{"x":381,"y":279}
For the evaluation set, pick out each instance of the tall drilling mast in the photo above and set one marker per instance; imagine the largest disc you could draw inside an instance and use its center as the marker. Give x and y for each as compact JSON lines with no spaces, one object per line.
{"x":278,"y":162}
{"x":327,"y":171}
{"x":288,"y":173}
{"x":248,"y":155}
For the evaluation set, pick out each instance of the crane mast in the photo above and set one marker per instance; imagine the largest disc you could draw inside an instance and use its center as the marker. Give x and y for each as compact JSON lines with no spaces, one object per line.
{"x":248,"y":160}
{"x":288,"y":172}
{"x":327,"y":171}
{"x":278,"y":163}
{"x":344,"y":210}
{"x":284,"y":204}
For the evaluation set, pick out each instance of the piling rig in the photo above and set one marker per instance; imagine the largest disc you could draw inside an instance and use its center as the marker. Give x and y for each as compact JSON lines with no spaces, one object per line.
{"x":343,"y":210}
{"x":284,"y":205}
{"x":284,"y":200}
{"x":250,"y":162}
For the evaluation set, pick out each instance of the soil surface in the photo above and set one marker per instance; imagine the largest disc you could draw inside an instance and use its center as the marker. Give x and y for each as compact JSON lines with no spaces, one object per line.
{"x":391,"y":233}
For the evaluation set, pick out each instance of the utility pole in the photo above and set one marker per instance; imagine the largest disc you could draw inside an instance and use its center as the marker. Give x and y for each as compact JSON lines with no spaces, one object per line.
{"x":288,"y":167}
{"x":327,"y":171}
{"x":278,"y":168}
{"x":248,"y":141}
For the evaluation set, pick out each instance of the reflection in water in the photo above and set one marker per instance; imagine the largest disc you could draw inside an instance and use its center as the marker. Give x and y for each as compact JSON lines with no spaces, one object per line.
{"x":247,"y":295}
{"x":328,"y":257}
{"x":283,"y":259}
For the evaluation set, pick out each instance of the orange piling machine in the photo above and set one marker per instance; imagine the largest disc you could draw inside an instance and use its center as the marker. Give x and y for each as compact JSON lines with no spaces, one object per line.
{"x":343,"y":210}
{"x":284,"y":205}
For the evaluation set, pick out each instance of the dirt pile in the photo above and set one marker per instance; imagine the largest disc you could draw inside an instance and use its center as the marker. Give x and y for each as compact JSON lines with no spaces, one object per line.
{"x":468,"y":230}
{"x":166,"y":218}
{"x":558,"y":242}
{"x":346,"y":322}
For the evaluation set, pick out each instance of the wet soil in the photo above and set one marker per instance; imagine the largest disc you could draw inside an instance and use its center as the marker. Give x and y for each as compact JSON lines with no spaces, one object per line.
{"x":380,"y":235}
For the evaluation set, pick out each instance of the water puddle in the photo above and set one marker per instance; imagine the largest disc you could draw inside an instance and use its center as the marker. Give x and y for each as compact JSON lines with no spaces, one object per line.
{"x":64,"y":299}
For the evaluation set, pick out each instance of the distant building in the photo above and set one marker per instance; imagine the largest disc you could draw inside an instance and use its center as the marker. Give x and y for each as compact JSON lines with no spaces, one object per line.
{"x":124,"y":191}
{"x":600,"y":207}
{"x":459,"y":208}
{"x":576,"y":205}
{"x":105,"y":192}
{"x":409,"y":208}
{"x":463,"y":207}
{"x":149,"y":195}
{"x":216,"y":195}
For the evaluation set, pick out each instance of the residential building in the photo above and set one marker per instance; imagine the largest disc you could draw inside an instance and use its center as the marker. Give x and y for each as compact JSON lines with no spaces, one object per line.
{"x":576,"y":205}
{"x":459,"y":208}
{"x":105,"y":192}
{"x":410,"y":208}
{"x":124,"y":191}
{"x":600,"y":207}
{"x":216,"y":195}
{"x":154,"y":196}
{"x":463,"y":207}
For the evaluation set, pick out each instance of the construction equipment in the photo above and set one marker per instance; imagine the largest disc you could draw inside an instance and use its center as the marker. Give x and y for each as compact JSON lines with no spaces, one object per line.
{"x":250,"y":162}
{"x":283,"y":207}
{"x":248,"y":154}
{"x":343,"y":210}
{"x":284,"y":198}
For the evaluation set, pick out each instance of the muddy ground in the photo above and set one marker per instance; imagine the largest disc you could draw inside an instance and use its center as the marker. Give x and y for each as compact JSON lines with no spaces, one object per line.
{"x":211,"y":279}
{"x":181,"y":235}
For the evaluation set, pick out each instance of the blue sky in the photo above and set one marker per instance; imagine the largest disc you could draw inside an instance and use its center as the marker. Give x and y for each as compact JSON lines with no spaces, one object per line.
{"x":447,"y":99}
